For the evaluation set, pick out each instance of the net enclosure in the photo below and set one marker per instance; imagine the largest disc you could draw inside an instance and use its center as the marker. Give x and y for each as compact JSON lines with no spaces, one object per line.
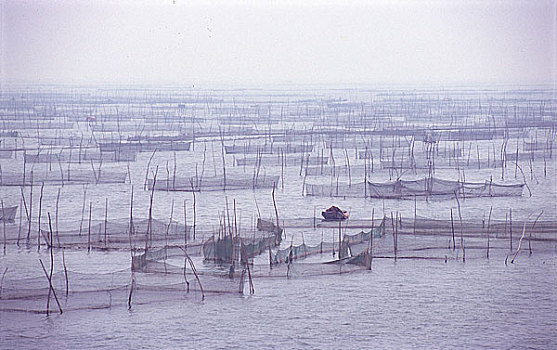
{"x":218,"y":183}
{"x":409,"y":189}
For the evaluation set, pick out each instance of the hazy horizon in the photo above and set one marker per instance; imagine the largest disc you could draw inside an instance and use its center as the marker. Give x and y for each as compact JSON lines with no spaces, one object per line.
{"x":279,"y":42}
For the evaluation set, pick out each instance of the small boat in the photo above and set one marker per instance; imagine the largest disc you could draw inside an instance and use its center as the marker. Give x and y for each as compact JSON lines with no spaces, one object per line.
{"x":334,"y":213}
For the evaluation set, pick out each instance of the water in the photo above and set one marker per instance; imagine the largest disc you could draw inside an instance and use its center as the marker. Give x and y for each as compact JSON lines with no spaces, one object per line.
{"x":414,"y":303}
{"x":408,"y":304}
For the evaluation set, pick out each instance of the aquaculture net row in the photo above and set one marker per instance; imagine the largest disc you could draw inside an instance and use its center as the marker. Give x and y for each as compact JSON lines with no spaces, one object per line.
{"x":235,"y":248}
{"x":76,"y":290}
{"x":199,"y":184}
{"x":294,"y":252}
{"x":62,"y":176}
{"x":82,"y":156}
{"x":268,"y":149}
{"x":409,"y":189}
{"x":118,"y":234}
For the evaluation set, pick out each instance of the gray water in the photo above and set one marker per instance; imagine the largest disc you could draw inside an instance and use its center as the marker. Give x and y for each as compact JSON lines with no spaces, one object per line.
{"x":415,"y":303}
{"x":404,"y":304}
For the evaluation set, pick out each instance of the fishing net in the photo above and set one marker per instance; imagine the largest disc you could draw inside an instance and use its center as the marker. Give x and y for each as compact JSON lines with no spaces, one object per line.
{"x":303,"y":250}
{"x":410,"y":189}
{"x":5,"y":154}
{"x":268,"y":149}
{"x":35,"y":124}
{"x":282,"y":159}
{"x":116,"y":234}
{"x":145,"y":146}
{"x":227,"y":248}
{"x":84,"y":155}
{"x":66,"y":177}
{"x":336,"y":189}
{"x":7,"y":214}
{"x":77,"y":290}
{"x":199,"y":184}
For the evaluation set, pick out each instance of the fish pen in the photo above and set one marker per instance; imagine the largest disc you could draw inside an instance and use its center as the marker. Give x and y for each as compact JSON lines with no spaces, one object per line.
{"x":445,"y":176}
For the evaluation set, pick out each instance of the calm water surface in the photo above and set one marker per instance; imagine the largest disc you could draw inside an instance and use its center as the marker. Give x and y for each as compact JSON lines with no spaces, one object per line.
{"x":407,"y":304}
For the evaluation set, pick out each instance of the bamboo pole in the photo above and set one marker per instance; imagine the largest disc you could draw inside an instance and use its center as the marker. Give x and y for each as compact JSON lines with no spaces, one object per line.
{"x":105,"y":219}
{"x":185,"y":227}
{"x":340,"y":240}
{"x":83,"y":208}
{"x":511,"y":229}
{"x":56,"y":218}
{"x":27,"y":212}
{"x":65,"y":272}
{"x":461,"y":233}
{"x":51,"y":288}
{"x":4,"y":225}
{"x":89,"y":229}
{"x":452,"y":229}
{"x":185,"y":277}
{"x":147,"y":171}
{"x":20,"y":219}
{"x":371,"y":239}
{"x":275,"y":205}
{"x":415,"y":214}
{"x":488,"y":232}
{"x":194,"y":215}
{"x":40,"y":212}
{"x":132,"y":285}
{"x":149,"y":235}
{"x":51,"y":257}
{"x":530,"y":234}
{"x":196,"y":277}
{"x":519,"y":242}
{"x":131,"y":227}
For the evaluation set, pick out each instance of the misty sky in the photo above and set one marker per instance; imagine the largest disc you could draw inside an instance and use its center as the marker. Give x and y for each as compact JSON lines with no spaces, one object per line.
{"x":244,"y":42}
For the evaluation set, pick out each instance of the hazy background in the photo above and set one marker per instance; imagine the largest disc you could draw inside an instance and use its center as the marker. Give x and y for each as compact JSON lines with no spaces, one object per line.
{"x":249,"y":42}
